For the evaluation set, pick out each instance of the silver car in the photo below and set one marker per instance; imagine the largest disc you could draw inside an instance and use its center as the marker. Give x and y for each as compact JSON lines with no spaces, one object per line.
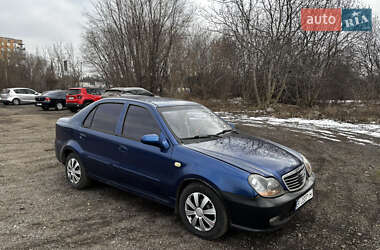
{"x":121,"y":91}
{"x":18,"y":96}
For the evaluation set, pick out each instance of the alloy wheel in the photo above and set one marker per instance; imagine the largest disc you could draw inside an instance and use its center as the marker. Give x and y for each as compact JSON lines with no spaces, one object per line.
{"x":73,"y":171}
{"x":200,"y":212}
{"x":59,"y":106}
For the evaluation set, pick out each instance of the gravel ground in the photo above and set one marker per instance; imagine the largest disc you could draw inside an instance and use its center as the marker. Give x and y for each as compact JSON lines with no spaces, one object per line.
{"x":38,"y":209}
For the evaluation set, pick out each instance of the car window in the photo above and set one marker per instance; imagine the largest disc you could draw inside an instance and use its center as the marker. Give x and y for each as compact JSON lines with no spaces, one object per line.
{"x":20,"y":91}
{"x":139,"y":122}
{"x":29,"y":92}
{"x":74,"y":92}
{"x":144,"y":92}
{"x":87,"y":123}
{"x":106,"y":117}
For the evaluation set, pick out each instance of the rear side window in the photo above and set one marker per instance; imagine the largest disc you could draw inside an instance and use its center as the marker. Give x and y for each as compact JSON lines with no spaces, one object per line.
{"x":106,"y":117}
{"x":87,"y":123}
{"x":74,"y":92}
{"x":139,"y":122}
{"x":94,"y":92}
{"x":20,"y":91}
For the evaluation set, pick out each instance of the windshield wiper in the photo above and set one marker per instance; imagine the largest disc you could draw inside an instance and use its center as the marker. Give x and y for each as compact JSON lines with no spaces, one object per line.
{"x":200,"y":137}
{"x":225,"y":131}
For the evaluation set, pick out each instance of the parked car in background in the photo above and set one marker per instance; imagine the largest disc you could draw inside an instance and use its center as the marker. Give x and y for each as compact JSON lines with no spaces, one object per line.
{"x":52,"y":99}
{"x":115,"y":92}
{"x":18,"y":96}
{"x":184,"y":156}
{"x":77,"y":98}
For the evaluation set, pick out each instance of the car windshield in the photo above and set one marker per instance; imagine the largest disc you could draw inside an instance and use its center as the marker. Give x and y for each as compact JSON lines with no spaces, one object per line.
{"x":194,"y":122}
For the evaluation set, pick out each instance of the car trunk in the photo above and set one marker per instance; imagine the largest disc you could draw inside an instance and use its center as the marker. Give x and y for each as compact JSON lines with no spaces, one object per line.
{"x":4,"y":94}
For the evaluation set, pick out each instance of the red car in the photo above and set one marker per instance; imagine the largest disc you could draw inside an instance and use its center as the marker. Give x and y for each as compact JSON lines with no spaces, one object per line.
{"x":78,"y":98}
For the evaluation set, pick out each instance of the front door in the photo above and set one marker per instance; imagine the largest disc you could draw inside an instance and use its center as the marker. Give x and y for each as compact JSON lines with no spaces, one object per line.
{"x":142,"y":167}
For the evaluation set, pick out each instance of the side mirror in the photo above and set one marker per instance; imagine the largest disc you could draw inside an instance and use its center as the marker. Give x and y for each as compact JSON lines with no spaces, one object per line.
{"x":155,"y":140}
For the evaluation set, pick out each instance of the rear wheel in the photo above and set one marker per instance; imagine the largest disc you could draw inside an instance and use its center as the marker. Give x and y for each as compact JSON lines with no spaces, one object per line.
{"x":202,"y":212}
{"x":16,"y":101}
{"x":75,"y":172}
{"x":58,"y":106}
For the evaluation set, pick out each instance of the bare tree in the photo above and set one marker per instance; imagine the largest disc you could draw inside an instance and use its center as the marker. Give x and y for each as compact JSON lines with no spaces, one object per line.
{"x":130,"y":41}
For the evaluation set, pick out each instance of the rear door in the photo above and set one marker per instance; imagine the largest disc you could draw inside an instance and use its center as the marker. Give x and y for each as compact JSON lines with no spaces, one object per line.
{"x":21,"y":94}
{"x":142,"y":167}
{"x":99,"y":141}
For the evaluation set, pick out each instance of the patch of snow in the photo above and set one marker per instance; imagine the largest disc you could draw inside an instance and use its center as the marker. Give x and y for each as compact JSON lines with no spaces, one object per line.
{"x":324,"y":129}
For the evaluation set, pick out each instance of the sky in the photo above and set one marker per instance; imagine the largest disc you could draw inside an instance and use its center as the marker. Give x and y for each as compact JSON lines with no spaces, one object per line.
{"x":40,"y":23}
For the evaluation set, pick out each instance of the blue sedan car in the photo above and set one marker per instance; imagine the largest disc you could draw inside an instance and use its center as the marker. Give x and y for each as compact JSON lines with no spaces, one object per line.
{"x":182,"y":155}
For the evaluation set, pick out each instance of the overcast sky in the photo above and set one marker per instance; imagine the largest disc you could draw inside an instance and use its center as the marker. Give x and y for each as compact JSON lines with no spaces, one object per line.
{"x":39,"y":23}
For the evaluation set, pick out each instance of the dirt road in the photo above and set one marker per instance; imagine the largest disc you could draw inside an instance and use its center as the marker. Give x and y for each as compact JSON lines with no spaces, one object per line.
{"x":38,"y":209}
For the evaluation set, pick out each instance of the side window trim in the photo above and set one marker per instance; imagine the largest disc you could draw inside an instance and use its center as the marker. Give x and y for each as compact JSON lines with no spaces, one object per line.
{"x":125,"y":119}
{"x":115,"y":132}
{"x":89,"y":113}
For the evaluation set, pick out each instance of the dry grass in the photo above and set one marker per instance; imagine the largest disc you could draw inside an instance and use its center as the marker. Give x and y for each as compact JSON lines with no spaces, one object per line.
{"x":353,"y":112}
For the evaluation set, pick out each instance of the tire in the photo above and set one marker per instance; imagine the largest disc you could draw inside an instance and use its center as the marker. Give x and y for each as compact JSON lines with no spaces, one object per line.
{"x":75,"y":172}
{"x":45,"y":108}
{"x":58,"y":106}
{"x":16,"y":101}
{"x":215,"y":222}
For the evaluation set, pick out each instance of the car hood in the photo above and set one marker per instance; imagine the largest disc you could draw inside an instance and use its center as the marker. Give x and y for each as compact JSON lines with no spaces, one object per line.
{"x":251,"y":154}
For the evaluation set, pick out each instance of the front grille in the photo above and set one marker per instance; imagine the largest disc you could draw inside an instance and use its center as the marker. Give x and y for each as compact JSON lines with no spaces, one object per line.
{"x":295,"y":180}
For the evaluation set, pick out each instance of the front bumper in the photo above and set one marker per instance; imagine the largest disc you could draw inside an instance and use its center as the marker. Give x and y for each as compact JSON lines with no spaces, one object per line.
{"x":264,"y":214}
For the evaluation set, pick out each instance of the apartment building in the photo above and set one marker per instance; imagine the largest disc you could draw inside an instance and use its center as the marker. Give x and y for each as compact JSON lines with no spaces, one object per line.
{"x":9,"y":45}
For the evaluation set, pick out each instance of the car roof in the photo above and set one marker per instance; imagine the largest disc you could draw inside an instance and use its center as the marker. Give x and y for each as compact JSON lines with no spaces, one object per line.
{"x":155,"y":101}
{"x":128,"y":88}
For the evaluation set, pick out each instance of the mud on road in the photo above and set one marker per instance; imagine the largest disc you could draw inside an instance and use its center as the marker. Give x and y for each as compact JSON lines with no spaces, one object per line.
{"x":38,"y":209}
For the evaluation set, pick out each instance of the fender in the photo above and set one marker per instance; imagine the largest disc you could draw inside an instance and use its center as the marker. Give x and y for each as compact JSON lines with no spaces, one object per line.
{"x":192,"y":179}
{"x":72,"y":146}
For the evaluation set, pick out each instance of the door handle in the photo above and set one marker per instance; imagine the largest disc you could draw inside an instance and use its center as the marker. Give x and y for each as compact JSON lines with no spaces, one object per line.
{"x":123,"y":149}
{"x":82,"y":136}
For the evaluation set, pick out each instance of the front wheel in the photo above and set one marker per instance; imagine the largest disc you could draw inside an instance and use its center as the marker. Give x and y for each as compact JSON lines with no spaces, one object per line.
{"x":75,"y":172}
{"x":202,"y":212}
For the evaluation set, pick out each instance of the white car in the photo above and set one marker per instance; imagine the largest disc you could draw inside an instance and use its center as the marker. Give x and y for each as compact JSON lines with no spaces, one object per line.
{"x":18,"y":96}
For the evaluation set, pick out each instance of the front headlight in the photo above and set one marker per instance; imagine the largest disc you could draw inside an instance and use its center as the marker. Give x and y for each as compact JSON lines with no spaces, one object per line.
{"x":307,"y":165}
{"x":266,"y":187}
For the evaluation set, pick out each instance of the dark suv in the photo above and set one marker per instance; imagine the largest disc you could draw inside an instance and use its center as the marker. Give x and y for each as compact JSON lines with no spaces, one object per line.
{"x":77,"y":98}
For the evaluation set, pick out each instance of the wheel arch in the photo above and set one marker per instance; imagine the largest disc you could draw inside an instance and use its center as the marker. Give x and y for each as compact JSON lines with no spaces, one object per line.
{"x":66,"y":152}
{"x":188,"y":181}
